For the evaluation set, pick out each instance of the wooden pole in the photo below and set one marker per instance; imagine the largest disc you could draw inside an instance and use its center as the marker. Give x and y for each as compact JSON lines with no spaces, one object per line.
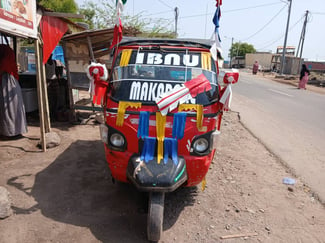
{"x":90,"y":47}
{"x":72,"y":114}
{"x":47,"y":122}
{"x":91,"y":52}
{"x":39,"y":76}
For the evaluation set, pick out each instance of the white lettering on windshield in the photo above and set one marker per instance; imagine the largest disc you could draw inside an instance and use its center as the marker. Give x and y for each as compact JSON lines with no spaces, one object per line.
{"x":152,"y":91}
{"x":154,"y":58}
{"x":145,"y":91}
{"x":190,"y":60}
{"x":173,"y":59}
{"x":193,"y":63}
{"x":135,"y":91}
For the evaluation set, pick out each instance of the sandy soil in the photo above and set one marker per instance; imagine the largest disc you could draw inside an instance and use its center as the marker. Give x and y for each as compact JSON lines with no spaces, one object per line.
{"x":66,"y":195}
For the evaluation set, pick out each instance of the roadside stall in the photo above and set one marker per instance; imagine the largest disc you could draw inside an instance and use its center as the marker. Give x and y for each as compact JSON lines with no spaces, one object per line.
{"x":14,"y":22}
{"x":46,"y":28}
{"x":80,"y":49}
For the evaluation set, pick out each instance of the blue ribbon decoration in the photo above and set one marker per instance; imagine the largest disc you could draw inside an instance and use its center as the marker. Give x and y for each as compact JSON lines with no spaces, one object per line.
{"x":143,"y":129}
{"x":170,"y":150}
{"x":179,"y":125}
{"x":148,"y":149}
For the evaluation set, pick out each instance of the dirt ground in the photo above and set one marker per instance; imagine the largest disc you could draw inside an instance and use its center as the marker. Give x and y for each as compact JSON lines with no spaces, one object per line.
{"x":67,"y":195}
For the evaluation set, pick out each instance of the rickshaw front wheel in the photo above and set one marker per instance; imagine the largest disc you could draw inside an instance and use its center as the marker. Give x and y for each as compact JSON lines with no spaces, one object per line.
{"x":155,"y":215}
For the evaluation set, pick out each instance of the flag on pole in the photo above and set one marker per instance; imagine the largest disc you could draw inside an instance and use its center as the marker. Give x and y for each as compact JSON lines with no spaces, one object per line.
{"x":118,"y":28}
{"x":118,"y":34}
{"x":216,"y":21}
{"x":226,"y":97}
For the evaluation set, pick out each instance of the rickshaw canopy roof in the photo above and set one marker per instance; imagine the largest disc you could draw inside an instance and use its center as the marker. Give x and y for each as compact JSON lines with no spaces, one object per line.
{"x":180,"y":42}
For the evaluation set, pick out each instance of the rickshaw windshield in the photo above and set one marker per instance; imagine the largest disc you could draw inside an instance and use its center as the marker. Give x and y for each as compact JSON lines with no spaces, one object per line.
{"x":143,"y":76}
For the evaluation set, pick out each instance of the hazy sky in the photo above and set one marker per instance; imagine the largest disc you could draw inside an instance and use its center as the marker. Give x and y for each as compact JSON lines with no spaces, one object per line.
{"x":261,"y":23}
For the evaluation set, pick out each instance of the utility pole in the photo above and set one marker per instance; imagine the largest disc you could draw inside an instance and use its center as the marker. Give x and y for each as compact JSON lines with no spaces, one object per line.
{"x":284,"y":50}
{"x":176,"y":19}
{"x":232,"y":41}
{"x":302,"y":39}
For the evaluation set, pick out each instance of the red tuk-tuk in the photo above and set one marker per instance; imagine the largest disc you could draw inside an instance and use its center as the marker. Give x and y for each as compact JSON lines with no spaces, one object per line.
{"x":162,"y":117}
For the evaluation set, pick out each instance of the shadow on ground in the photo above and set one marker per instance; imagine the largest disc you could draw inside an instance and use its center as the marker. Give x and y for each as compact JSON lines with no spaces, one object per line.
{"x":77,"y":189}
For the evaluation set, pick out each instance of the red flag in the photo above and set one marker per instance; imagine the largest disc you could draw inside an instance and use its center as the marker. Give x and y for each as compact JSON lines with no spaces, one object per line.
{"x":198,"y":85}
{"x":118,"y":29}
{"x":179,"y":95}
{"x":52,"y":31}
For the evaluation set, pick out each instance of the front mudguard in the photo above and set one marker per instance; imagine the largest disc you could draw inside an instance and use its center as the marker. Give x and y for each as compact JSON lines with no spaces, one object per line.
{"x":153,"y":177}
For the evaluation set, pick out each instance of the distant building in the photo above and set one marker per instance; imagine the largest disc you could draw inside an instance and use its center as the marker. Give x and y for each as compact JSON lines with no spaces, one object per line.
{"x":264,"y":60}
{"x":272,"y":61}
{"x":238,"y":62}
{"x":290,"y":50}
{"x":315,"y":66}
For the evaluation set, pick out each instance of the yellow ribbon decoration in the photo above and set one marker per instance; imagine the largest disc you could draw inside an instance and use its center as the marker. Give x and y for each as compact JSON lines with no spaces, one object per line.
{"x":206,"y":60}
{"x":204,"y":183}
{"x":160,"y":130}
{"x":122,"y":106}
{"x":125,"y":58}
{"x":199,"y":113}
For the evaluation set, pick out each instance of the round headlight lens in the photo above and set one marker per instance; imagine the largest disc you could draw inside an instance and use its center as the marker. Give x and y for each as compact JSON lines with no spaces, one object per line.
{"x":201,"y":145}
{"x":117,"y":140}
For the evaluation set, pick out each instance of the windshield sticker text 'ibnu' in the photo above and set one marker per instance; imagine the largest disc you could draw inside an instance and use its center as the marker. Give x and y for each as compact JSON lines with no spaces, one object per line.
{"x":168,"y":59}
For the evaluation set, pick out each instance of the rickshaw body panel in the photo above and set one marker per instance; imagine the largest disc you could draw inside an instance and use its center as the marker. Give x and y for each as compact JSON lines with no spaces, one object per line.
{"x":197,"y":165}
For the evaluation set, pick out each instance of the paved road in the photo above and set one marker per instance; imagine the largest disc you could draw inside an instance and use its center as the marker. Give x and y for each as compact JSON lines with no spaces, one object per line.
{"x":289,"y":121}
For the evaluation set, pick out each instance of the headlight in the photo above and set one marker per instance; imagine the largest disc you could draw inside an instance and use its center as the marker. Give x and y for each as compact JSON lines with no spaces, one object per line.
{"x":201,"y":145}
{"x":103,"y":133}
{"x":215,"y":138}
{"x":117,"y":140}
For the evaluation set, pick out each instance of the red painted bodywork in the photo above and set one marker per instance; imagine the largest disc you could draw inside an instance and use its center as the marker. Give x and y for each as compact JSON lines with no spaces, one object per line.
{"x":196,"y":166}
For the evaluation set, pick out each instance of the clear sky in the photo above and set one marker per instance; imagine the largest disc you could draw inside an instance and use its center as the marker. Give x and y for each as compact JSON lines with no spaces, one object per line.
{"x":261,"y":23}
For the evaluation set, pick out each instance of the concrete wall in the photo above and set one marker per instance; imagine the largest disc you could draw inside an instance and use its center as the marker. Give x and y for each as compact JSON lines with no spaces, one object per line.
{"x":264,"y":59}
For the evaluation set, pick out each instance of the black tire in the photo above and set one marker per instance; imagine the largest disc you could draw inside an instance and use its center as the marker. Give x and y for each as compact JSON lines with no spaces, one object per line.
{"x":155,"y":215}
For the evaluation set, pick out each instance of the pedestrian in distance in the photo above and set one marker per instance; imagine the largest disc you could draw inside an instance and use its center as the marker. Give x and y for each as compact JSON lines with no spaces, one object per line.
{"x":255,"y":67}
{"x":304,"y":75}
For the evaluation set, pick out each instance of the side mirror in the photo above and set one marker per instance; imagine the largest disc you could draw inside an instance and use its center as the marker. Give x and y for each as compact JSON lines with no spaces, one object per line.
{"x":231,"y":77}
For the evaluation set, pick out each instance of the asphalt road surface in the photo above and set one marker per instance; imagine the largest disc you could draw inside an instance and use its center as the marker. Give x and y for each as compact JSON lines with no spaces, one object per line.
{"x":289,"y":121}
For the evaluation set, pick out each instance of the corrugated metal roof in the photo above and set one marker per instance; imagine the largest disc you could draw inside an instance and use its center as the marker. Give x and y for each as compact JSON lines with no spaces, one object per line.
{"x":100,"y":40}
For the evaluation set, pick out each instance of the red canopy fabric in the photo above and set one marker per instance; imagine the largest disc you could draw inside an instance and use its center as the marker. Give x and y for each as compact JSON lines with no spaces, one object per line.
{"x":8,"y":61}
{"x":52,"y":31}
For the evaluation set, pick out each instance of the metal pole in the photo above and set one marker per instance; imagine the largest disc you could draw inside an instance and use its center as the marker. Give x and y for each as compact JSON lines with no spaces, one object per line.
{"x":232,"y":41}
{"x":176,"y":19}
{"x":303,"y":33}
{"x":285,"y":39}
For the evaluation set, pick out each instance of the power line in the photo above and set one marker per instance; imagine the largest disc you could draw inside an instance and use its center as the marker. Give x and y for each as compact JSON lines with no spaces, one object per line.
{"x":261,"y":29}
{"x":232,"y":10}
{"x":252,"y":7}
{"x":168,"y":6}
{"x":319,"y":13}
{"x":280,"y":37}
{"x":168,"y":11}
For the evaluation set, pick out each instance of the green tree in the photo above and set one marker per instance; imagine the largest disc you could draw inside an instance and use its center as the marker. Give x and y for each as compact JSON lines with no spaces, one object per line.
{"x":102,"y":14}
{"x":240,"y":49}
{"x":64,"y":6}
{"x":90,"y":15}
